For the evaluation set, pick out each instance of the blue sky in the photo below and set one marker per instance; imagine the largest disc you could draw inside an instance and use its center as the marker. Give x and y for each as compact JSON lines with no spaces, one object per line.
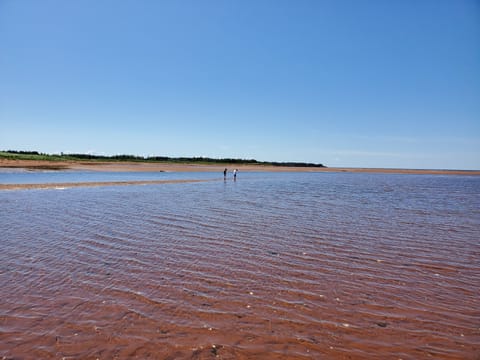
{"x":345,"y":83}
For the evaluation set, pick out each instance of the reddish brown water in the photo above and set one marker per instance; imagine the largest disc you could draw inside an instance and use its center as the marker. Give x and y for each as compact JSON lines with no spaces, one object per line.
{"x":273,"y":266}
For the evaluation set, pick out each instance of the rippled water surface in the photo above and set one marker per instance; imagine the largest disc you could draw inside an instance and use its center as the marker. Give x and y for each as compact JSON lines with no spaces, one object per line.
{"x":21,"y":176}
{"x":272,"y":266}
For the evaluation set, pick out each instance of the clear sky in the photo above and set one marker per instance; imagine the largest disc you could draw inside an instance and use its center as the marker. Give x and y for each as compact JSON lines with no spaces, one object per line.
{"x":359,"y":83}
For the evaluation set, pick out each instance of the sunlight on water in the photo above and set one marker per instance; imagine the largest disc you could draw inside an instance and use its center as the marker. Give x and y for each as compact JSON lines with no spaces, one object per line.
{"x":270,"y":266}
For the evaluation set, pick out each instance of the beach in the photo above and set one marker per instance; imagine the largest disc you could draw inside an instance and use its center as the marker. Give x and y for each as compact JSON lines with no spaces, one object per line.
{"x":142,"y":167}
{"x":277,"y":265}
{"x":62,"y":185}
{"x":239,"y":180}
{"x":292,"y":271}
{"x":172,"y":167}
{"x":130,"y":167}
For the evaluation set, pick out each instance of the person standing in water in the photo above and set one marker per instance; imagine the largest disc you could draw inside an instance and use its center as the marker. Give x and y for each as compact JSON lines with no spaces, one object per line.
{"x":235,"y":174}
{"x":225,"y":174}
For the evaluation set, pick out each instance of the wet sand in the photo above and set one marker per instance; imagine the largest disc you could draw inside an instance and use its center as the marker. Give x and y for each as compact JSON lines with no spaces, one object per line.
{"x":61,"y":186}
{"x":171,"y":167}
{"x":33,"y":165}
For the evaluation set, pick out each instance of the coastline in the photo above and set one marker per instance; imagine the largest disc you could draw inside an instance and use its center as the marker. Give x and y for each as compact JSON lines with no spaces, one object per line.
{"x":172,"y":167}
{"x":63,"y":186}
{"x":239,"y":269}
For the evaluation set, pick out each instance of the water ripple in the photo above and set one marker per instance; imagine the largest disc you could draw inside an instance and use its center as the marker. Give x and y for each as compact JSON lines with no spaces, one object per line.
{"x":272,"y":266}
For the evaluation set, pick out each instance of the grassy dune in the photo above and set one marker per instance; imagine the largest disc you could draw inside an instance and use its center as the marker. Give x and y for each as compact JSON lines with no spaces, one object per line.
{"x":34,"y":155}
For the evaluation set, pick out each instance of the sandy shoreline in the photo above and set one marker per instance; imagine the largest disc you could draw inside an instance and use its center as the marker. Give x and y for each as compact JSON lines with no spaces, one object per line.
{"x":156,"y":167}
{"x":62,"y":186}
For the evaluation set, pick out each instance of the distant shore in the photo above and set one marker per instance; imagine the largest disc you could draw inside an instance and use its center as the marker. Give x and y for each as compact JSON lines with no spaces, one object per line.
{"x":172,"y":167}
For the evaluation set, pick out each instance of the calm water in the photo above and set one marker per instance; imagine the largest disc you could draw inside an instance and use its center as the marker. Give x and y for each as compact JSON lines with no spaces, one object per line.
{"x":272,"y":266}
{"x":19,"y":176}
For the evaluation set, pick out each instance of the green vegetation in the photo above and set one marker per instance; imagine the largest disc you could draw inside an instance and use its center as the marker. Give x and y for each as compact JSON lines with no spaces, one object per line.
{"x":35,"y":155}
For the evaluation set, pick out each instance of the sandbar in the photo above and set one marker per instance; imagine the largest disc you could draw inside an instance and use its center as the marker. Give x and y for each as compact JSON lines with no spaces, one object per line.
{"x":61,"y":186}
{"x":173,"y":167}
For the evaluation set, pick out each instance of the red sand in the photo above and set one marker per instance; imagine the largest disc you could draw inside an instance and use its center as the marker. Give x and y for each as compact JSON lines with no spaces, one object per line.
{"x":147,"y":166}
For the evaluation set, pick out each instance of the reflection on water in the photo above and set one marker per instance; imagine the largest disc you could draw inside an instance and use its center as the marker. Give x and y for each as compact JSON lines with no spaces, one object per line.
{"x":274,"y":266}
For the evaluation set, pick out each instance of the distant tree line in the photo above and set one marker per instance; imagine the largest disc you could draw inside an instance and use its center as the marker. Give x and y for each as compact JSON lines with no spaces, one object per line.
{"x":206,"y":160}
{"x":23,"y":152}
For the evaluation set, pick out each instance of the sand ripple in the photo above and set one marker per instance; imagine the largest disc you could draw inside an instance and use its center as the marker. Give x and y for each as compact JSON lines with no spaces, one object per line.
{"x":280,"y":267}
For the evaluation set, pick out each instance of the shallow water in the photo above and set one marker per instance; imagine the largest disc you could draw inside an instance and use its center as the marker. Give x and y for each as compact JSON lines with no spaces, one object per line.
{"x":277,"y":266}
{"x":22,"y":176}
